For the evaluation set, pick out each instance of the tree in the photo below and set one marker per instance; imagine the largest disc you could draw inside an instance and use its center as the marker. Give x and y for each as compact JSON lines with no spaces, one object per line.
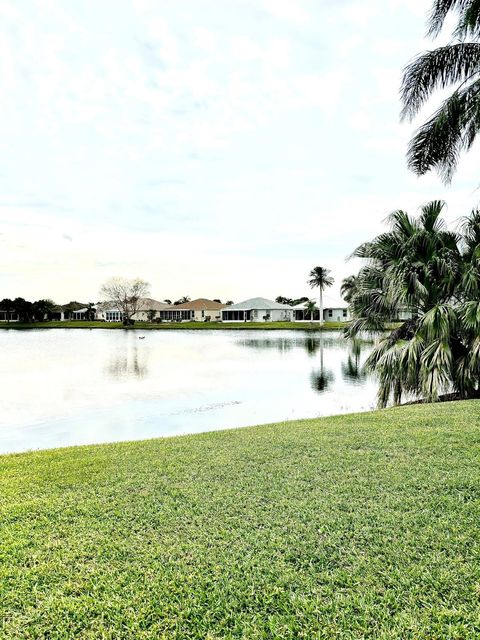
{"x":348,"y":288}
{"x":310,"y":308}
{"x":229,"y":302}
{"x":217,"y":300}
{"x":90,"y":313}
{"x":125,"y":296}
{"x":320,"y":277}
{"x":453,"y":127}
{"x":24,"y":309}
{"x":151,"y":313}
{"x":41,"y":309}
{"x":182,"y":300}
{"x":422,"y":266}
{"x":7,"y":305}
{"x":168,"y":301}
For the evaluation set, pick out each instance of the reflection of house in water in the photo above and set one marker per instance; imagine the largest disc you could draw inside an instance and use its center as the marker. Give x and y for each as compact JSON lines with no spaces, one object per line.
{"x":280,"y":344}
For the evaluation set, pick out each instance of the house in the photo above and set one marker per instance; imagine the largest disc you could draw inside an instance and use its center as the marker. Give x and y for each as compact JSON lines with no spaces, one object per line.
{"x":9,"y":316}
{"x":145,"y":306}
{"x":200,"y":310}
{"x":333,"y":311}
{"x":257,"y":310}
{"x":66,"y":311}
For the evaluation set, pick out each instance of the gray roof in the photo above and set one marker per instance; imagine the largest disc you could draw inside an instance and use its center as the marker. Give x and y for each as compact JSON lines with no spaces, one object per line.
{"x":328,"y":303}
{"x":257,"y":303}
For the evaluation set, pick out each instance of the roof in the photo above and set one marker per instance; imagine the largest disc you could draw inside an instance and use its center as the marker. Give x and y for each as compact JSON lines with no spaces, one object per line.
{"x":200,"y":304}
{"x":328,"y":303}
{"x":258,"y":303}
{"x":146,"y":304}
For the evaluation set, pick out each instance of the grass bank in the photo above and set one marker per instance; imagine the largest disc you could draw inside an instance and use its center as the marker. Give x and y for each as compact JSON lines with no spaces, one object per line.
{"x":360,"y":526}
{"x":83,"y":324}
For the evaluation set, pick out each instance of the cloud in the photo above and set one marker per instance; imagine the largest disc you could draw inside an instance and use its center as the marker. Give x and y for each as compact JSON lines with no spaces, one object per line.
{"x":289,"y":10}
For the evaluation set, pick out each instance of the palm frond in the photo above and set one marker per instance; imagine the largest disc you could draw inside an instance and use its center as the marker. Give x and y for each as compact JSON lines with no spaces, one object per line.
{"x":437,"y":69}
{"x":452,"y":129}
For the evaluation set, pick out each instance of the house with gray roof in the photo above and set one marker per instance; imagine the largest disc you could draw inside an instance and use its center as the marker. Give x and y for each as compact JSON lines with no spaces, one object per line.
{"x":333,"y":310}
{"x":257,"y":310}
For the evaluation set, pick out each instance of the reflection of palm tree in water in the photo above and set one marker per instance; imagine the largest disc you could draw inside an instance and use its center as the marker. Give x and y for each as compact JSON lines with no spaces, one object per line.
{"x":351,"y":369}
{"x":321,"y":378}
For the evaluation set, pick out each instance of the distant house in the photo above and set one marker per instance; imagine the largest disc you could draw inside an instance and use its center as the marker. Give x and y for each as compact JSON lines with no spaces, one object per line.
{"x":66,"y":311}
{"x":198,"y":310}
{"x":257,"y":310}
{"x":9,"y":316}
{"x":149,"y":304}
{"x":333,"y":311}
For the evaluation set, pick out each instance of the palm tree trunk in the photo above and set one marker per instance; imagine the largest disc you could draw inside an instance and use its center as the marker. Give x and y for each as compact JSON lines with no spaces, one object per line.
{"x":321,"y":306}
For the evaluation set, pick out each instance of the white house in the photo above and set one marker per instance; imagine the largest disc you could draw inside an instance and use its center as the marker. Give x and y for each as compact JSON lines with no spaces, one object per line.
{"x":333,"y":310}
{"x":257,"y":310}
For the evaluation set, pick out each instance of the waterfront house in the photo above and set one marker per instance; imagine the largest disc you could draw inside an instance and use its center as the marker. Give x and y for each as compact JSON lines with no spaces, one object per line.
{"x":200,"y":310}
{"x":333,"y":311}
{"x":9,"y":316}
{"x":257,"y":310}
{"x":149,"y":304}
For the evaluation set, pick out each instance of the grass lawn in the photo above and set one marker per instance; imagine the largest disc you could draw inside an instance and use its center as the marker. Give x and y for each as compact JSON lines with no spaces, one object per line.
{"x":360,"y":526}
{"x":84,"y":324}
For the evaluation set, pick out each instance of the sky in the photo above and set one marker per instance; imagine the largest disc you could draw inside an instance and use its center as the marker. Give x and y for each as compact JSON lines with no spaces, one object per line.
{"x":214,"y":148}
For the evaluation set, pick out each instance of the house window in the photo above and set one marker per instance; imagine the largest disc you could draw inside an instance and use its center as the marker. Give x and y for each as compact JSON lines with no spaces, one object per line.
{"x":330,"y":313}
{"x":344,"y":313}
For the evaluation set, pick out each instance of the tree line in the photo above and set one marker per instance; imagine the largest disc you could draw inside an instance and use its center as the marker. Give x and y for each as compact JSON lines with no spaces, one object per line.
{"x":27,"y":311}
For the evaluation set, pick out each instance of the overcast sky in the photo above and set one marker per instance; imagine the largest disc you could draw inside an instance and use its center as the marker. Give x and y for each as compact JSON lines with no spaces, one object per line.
{"x":217,"y":148}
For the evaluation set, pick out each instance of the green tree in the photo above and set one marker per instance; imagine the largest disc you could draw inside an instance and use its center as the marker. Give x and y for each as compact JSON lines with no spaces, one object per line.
{"x":320,"y":277}
{"x":182,"y":300}
{"x":90,"y":313}
{"x":24,"y":309}
{"x":42,"y":309}
{"x":421,"y":265}
{"x":453,"y":127}
{"x":151,"y":313}
{"x":348,"y":288}
{"x":310,"y":308}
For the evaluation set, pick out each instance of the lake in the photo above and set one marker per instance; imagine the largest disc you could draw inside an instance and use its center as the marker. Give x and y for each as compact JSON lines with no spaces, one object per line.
{"x":63,"y":387}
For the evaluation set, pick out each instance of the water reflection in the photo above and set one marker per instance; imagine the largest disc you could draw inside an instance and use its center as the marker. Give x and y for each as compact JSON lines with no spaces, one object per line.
{"x":352,"y":368}
{"x":108,"y":385}
{"x":320,"y":378}
{"x":131,"y":362}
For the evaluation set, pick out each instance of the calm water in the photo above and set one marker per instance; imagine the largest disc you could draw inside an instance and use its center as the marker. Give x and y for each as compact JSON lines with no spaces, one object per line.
{"x":61,"y":387}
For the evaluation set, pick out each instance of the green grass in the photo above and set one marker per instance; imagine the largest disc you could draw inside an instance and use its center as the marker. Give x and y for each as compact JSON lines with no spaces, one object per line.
{"x":83,"y":324}
{"x":360,"y":526}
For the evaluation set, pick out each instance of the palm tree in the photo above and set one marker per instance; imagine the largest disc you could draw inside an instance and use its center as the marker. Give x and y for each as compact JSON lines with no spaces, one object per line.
{"x":454,"y":125}
{"x":348,"y":287}
{"x":320,"y":277}
{"x":420,"y":265}
{"x":310,"y":308}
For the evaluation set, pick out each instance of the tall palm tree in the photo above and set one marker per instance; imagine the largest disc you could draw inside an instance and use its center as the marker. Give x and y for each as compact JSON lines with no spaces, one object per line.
{"x":453,"y":127}
{"x":348,"y":287}
{"x":435,"y":273}
{"x":320,"y":277}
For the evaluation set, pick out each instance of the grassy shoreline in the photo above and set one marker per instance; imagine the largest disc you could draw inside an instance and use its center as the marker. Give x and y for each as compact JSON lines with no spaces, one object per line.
{"x":140,"y":326}
{"x":355,"y":526}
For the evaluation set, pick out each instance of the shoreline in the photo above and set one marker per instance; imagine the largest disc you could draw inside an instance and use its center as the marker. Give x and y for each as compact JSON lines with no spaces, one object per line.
{"x":165,"y":326}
